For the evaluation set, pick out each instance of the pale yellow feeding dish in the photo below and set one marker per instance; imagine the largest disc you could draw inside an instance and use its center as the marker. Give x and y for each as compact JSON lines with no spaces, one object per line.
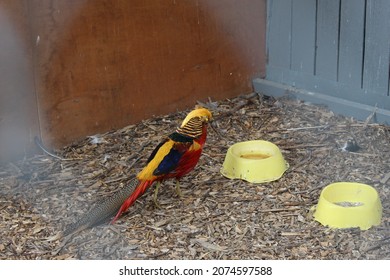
{"x":254,"y":161}
{"x":347,"y":205}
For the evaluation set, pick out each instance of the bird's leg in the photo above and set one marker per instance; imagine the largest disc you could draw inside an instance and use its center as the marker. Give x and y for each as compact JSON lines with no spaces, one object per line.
{"x":178,"y":190}
{"x":155,"y":195}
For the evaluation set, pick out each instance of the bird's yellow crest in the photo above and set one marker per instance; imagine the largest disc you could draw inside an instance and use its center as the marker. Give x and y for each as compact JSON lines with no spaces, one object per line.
{"x":204,"y":114}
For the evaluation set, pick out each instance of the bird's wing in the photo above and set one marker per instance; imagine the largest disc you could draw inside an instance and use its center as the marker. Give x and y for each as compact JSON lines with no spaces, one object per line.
{"x":166,"y":157}
{"x":170,"y":161}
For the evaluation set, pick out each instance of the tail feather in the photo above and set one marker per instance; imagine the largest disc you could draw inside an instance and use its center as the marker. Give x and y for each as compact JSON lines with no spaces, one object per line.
{"x":103,"y":209}
{"x":139,"y":191}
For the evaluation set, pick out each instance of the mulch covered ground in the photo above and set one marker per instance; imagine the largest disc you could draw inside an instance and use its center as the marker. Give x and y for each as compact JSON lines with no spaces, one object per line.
{"x":217,"y":218}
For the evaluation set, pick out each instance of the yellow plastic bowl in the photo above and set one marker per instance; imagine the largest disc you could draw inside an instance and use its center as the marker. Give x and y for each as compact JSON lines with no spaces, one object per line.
{"x":346,"y":205}
{"x":254,"y":161}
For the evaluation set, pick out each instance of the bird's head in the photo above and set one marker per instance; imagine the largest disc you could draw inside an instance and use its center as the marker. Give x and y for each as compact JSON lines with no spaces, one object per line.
{"x":201,"y":113}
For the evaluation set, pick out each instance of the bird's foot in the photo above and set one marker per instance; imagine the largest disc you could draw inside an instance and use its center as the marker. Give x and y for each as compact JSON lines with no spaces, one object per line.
{"x":156,"y":204}
{"x":155,"y":196}
{"x":178,"y":190}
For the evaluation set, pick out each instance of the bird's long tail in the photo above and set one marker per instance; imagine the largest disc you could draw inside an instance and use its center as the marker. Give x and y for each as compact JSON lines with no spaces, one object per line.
{"x":104,"y":209}
{"x":139,"y":191}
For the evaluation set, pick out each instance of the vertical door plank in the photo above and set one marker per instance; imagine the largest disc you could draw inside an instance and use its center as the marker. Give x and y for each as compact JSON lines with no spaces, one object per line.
{"x":303,"y":35}
{"x":351,"y":42}
{"x":279,"y":33}
{"x":376,"y":59}
{"x":327,"y":39}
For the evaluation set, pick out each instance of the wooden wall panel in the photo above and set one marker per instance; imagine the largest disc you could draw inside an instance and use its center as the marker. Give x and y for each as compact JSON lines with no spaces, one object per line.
{"x":351,"y":56}
{"x":104,"y":64}
{"x":18,"y":110}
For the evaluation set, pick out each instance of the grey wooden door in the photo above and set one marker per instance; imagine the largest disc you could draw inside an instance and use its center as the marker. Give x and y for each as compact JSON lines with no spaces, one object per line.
{"x":334,"y":52}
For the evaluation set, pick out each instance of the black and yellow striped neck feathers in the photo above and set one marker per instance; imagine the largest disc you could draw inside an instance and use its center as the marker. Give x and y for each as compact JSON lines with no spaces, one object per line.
{"x":192,"y":126}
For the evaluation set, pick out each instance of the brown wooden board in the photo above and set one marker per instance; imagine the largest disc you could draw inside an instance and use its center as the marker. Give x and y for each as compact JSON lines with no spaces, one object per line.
{"x":101,"y":65}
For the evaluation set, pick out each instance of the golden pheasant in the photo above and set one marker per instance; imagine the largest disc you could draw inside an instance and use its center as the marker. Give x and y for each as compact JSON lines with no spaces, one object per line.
{"x":174,"y":157}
